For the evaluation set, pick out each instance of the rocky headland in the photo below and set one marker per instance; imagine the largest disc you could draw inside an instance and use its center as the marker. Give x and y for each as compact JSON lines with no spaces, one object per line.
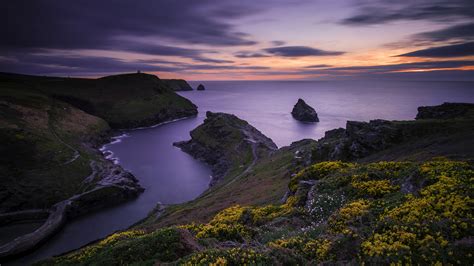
{"x":224,"y":141}
{"x":303,"y":112}
{"x":178,"y":84}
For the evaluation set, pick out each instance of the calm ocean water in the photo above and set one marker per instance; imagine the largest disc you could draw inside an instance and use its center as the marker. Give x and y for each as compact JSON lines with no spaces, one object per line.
{"x":171,"y":176}
{"x":267,"y":104}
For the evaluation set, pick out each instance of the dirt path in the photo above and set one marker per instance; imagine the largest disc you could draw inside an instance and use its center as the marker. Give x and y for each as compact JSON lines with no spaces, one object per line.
{"x":76,"y":154}
{"x":252,"y":164}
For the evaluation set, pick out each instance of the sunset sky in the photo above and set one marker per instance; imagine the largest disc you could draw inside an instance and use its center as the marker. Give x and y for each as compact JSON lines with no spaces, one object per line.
{"x":235,"y":40}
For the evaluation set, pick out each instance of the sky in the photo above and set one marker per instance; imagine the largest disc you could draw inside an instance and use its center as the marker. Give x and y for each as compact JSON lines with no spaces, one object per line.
{"x":240,"y":40}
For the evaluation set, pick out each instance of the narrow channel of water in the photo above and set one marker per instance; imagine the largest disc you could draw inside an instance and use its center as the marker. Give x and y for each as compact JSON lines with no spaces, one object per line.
{"x":167,"y":174}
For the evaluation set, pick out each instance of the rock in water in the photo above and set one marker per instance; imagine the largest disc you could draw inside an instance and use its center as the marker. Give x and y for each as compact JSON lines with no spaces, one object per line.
{"x":303,"y":112}
{"x":201,"y":87}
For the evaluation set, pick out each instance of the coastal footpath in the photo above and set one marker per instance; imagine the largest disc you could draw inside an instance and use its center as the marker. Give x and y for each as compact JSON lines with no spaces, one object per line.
{"x":51,"y":130}
{"x":375,"y":192}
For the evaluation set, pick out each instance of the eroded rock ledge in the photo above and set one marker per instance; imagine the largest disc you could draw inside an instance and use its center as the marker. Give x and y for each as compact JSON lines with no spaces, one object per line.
{"x":361,"y":139}
{"x":446,"y":111}
{"x":224,"y":141}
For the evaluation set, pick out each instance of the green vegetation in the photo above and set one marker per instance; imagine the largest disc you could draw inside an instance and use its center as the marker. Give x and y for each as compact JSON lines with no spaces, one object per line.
{"x":50,"y":128}
{"x":131,"y":246}
{"x":421,"y":213}
{"x":178,"y":84}
{"x":42,"y":158}
{"x":124,"y":101}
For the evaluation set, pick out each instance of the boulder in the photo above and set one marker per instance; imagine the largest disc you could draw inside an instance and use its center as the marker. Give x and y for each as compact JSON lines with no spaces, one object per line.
{"x":303,"y":112}
{"x":200,"y":87}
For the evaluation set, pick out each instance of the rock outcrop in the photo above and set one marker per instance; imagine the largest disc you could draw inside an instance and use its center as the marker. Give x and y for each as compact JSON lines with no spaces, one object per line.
{"x":178,"y":84}
{"x":362,"y":139}
{"x":356,"y":141}
{"x":303,"y":112}
{"x":224,"y":141}
{"x":446,"y":111}
{"x":201,"y":87}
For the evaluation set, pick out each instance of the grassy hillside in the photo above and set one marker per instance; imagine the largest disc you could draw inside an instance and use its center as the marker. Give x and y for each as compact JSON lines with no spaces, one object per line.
{"x":178,"y":84}
{"x":124,"y":101}
{"x":42,"y":160}
{"x":49,"y":128}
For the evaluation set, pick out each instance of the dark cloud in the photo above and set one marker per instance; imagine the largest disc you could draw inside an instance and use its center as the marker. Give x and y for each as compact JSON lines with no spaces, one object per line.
{"x":212,"y":60}
{"x":435,"y":10}
{"x":48,"y":64}
{"x":117,"y":25}
{"x":278,"y":43}
{"x":357,"y":70}
{"x":453,"y":34}
{"x":463,"y":32}
{"x":299,"y":51}
{"x":318,"y":66}
{"x":155,"y":49}
{"x":456,"y":50}
{"x":245,"y":54}
{"x":75,"y":65}
{"x":221,"y":67}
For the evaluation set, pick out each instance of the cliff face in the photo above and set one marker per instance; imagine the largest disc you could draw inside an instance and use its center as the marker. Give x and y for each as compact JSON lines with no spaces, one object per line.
{"x":224,"y":141}
{"x":178,"y":84}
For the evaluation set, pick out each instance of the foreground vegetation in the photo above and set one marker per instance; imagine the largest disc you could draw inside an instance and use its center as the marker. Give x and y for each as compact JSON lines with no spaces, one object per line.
{"x":376,"y":213}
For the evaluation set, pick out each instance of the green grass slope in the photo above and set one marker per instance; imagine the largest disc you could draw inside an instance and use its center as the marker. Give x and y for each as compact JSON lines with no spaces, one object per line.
{"x":42,"y":159}
{"x":124,"y":101}
{"x":178,"y":84}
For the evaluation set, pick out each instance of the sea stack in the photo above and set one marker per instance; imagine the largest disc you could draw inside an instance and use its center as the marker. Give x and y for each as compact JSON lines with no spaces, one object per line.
{"x":303,"y":112}
{"x":201,"y":87}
